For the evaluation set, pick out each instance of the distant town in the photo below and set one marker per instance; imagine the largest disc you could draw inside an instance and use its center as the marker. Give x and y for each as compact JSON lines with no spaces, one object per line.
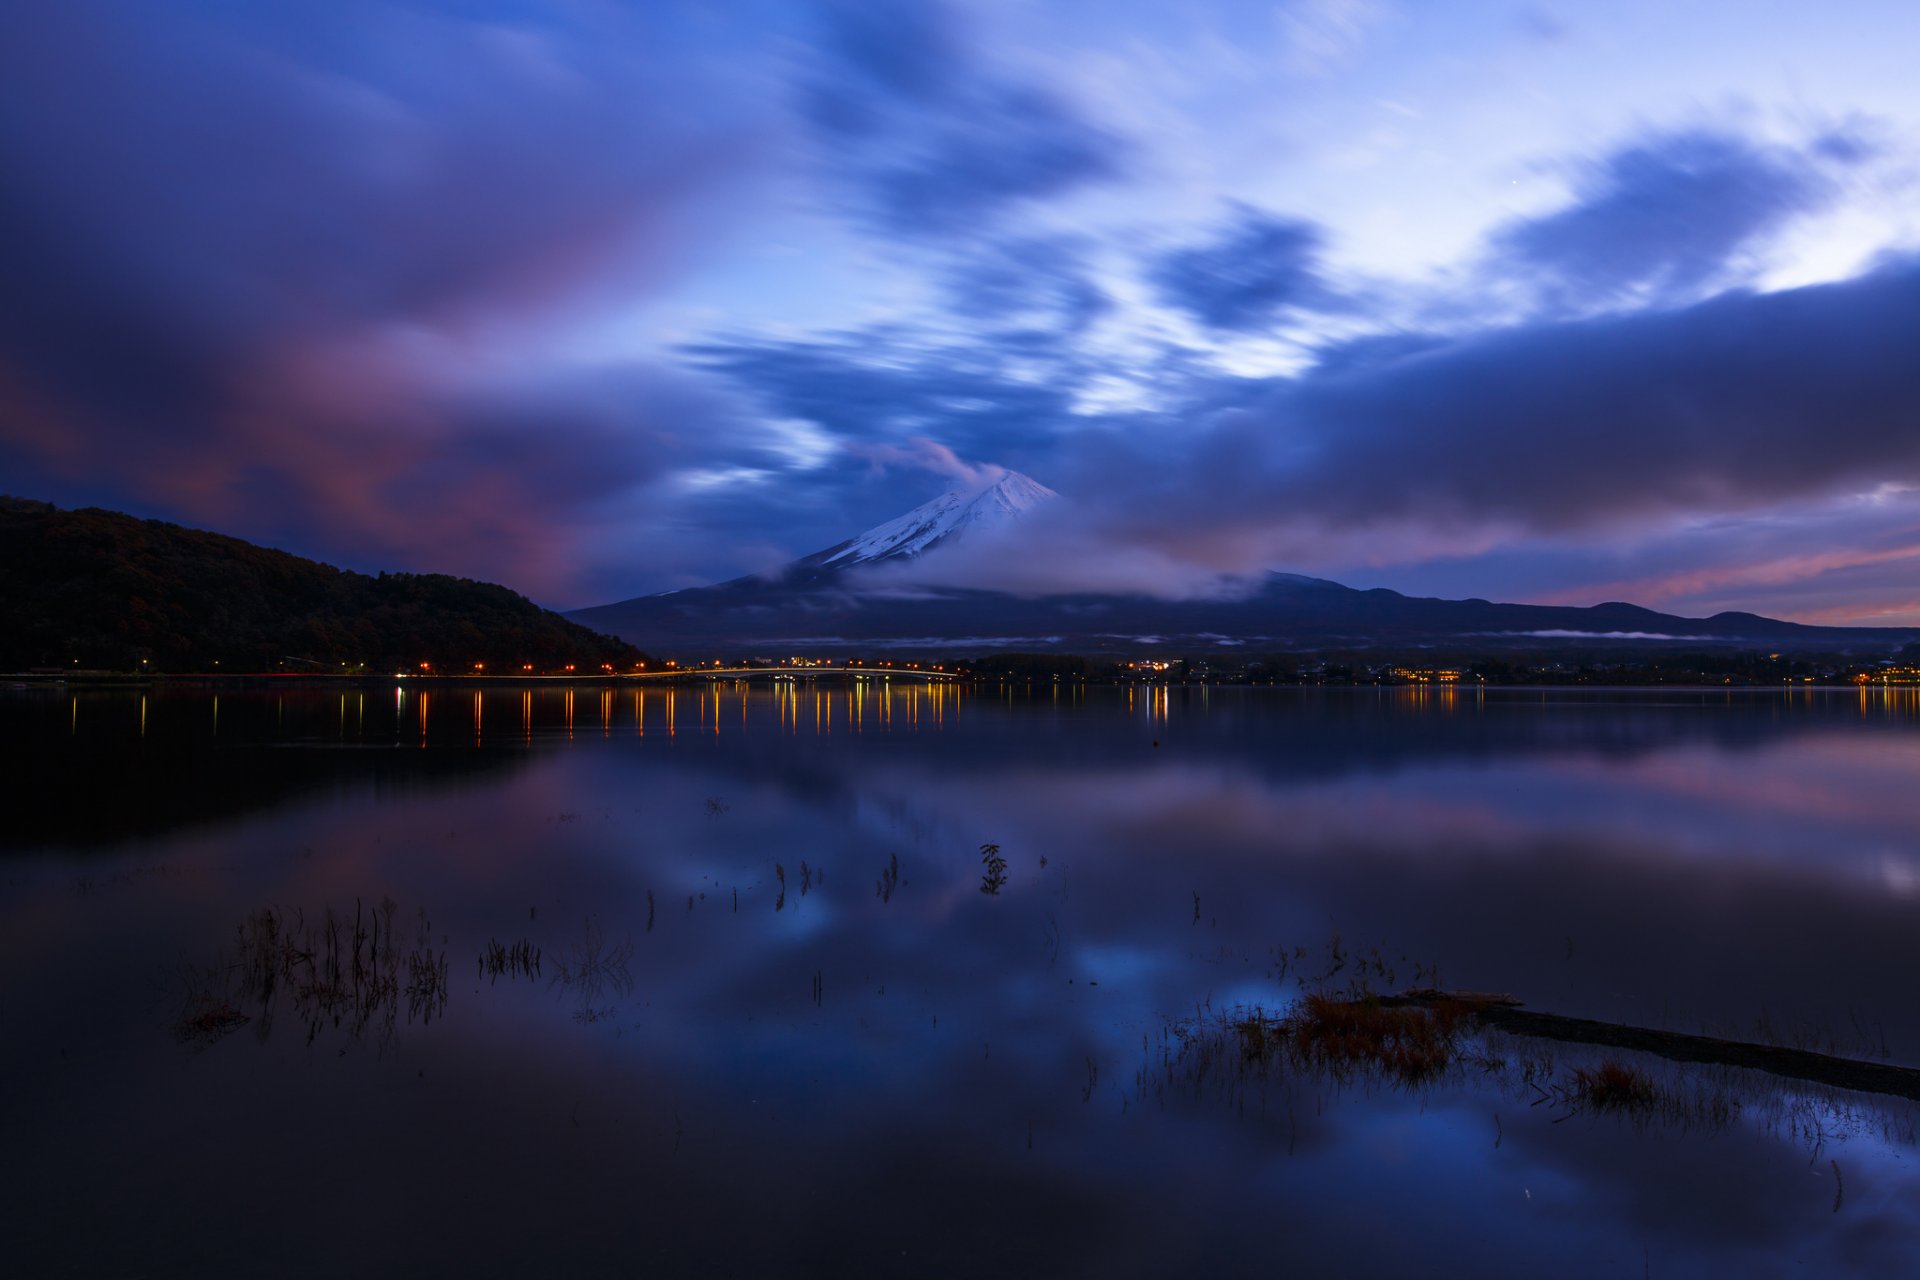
{"x":1697,"y":669}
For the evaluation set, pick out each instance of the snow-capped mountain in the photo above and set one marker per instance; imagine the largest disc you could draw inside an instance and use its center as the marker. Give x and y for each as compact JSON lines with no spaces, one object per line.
{"x":812,"y":606}
{"x":994,"y":502}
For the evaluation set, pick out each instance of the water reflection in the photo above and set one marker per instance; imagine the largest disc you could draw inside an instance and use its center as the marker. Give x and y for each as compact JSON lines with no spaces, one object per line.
{"x":127,"y":765}
{"x":334,"y":973}
{"x":739,"y":953}
{"x":1326,"y":1048}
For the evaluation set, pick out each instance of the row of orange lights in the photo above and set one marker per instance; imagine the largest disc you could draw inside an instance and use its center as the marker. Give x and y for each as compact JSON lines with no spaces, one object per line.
{"x":528,"y":666}
{"x":640,"y":666}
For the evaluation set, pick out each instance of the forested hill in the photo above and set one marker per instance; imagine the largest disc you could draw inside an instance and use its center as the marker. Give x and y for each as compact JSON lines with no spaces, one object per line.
{"x":97,"y":589}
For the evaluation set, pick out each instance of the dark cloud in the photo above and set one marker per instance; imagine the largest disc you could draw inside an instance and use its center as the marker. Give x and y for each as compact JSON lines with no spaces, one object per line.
{"x":1569,"y":430}
{"x":329,"y":278}
{"x":1040,"y":282}
{"x":1259,"y":267}
{"x":905,"y":415}
{"x":257,"y":264}
{"x":884,"y":386}
{"x":1668,"y":216}
{"x":906,"y":51}
{"x":1007,"y":146}
{"x":1812,"y":562}
{"x":1541,"y":23}
{"x":1732,"y":404}
{"x":316,"y":277}
{"x":387,"y":164}
{"x":1850,"y":144}
{"x":939,"y":143}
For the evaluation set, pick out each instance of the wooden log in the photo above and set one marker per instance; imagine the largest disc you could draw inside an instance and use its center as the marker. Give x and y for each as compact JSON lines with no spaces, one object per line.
{"x":1504,"y":1013}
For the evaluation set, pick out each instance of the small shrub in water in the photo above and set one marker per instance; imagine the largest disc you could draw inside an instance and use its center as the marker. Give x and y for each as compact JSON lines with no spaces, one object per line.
{"x":1614,"y":1086}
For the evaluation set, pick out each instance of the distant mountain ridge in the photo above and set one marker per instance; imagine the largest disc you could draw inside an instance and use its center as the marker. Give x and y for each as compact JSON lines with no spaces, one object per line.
{"x":819,"y":603}
{"x":99,"y":589}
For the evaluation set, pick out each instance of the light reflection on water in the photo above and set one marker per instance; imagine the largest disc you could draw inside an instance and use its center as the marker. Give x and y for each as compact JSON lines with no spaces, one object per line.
{"x":891,"y":1071}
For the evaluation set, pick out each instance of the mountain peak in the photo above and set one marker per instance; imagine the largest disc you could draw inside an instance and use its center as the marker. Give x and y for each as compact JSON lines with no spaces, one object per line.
{"x":995,"y":500}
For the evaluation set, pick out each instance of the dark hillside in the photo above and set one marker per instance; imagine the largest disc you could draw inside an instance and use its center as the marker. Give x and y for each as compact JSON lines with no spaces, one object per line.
{"x":98,"y":589}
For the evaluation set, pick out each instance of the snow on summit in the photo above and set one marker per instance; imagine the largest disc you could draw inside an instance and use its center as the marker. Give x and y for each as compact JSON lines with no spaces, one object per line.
{"x":994,"y":502}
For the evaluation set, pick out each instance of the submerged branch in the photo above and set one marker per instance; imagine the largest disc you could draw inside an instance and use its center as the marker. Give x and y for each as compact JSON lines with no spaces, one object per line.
{"x":1504,"y":1013}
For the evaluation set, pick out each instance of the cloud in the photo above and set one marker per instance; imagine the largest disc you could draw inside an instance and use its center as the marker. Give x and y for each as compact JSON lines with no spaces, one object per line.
{"x":893,"y":404}
{"x":909,"y":52}
{"x":922,"y":454}
{"x":1320,"y":36}
{"x":1542,"y":24}
{"x":289,"y":175}
{"x":1562,"y":634}
{"x":1851,"y":562}
{"x":298,"y":275}
{"x":1734,"y":404}
{"x":1668,"y":216}
{"x":1040,"y":282}
{"x":1066,"y":547}
{"x":1571,"y":431}
{"x":1530,"y":449}
{"x":997,"y":398}
{"x":345,"y":279}
{"x":938,"y":142}
{"x":321,"y":278}
{"x":1257,"y":268}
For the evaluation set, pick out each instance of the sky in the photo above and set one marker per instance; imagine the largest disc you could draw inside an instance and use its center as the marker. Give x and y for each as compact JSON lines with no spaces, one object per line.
{"x":1539,"y":301}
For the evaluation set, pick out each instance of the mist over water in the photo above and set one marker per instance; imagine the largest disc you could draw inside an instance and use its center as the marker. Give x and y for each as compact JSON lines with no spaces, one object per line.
{"x":718,"y":979}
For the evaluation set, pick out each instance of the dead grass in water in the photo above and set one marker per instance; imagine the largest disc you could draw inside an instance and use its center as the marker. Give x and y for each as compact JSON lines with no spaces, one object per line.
{"x":1614,"y":1086}
{"x":1405,"y":1043}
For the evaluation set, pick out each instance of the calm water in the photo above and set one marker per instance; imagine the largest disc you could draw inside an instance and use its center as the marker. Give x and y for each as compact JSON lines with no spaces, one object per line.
{"x":777,"y":1027}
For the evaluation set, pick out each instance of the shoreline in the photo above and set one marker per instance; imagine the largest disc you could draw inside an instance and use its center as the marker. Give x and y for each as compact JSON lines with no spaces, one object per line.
{"x":22,"y":681}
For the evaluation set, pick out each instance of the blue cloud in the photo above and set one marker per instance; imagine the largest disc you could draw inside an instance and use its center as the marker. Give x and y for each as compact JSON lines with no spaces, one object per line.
{"x":939,"y":144}
{"x":908,"y":51}
{"x":1259,"y":267}
{"x":1668,"y":216}
{"x":884,"y":386}
{"x":1733,"y":404}
{"x":1041,"y":282}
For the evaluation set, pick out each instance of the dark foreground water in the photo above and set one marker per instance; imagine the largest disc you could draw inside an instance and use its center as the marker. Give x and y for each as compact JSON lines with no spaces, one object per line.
{"x":704,"y":982}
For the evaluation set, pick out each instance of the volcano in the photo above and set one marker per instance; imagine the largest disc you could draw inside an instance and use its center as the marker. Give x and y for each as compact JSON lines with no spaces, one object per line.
{"x":830,"y":601}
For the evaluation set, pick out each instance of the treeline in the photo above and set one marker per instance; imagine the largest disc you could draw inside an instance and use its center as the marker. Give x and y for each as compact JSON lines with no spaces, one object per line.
{"x":94,"y":589}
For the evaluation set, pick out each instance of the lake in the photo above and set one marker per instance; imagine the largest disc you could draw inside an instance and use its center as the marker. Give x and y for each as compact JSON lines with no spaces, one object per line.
{"x":720,"y":980}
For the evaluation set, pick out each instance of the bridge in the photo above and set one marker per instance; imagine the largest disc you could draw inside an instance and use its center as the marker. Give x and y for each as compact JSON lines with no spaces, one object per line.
{"x":689,"y":675}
